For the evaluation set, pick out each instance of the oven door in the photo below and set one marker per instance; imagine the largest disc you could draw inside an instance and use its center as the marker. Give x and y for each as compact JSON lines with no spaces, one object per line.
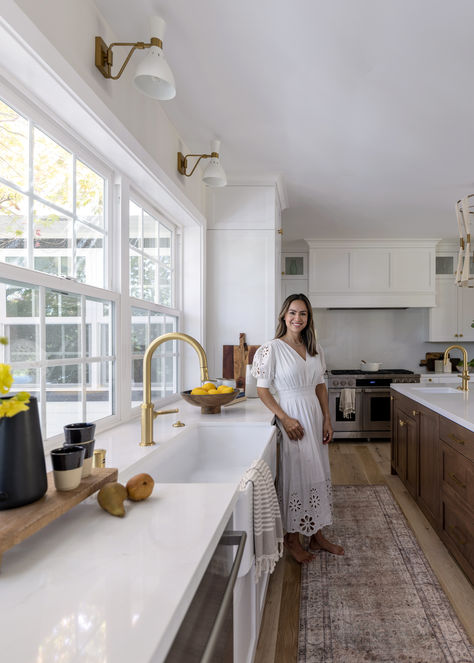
{"x":339,"y":423}
{"x":376,"y":409}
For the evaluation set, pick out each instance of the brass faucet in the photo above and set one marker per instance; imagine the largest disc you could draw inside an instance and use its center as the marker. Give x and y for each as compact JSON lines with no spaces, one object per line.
{"x":465,"y":377}
{"x":148,"y":411}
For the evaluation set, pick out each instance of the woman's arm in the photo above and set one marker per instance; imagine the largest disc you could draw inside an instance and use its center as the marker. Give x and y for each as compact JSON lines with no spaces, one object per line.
{"x":322,"y":394}
{"x":293,"y":428}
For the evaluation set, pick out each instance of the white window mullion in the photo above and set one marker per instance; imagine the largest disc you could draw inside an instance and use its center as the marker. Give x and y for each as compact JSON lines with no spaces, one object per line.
{"x":84,"y":357}
{"x":42,"y":345}
{"x":30,"y":226}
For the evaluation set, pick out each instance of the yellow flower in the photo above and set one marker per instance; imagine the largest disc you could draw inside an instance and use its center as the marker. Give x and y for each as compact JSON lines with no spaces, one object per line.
{"x":11,"y":406}
{"x":6,"y":378}
{"x":3,"y":340}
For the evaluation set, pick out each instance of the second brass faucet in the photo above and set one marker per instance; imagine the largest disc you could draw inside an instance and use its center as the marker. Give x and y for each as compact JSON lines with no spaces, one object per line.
{"x":465,"y":377}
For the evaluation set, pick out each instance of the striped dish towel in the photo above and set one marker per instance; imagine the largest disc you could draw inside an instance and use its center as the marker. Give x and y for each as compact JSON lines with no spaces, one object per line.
{"x":267,"y":525}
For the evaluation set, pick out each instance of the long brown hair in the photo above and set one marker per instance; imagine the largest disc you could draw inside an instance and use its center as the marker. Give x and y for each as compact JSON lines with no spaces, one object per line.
{"x":308,"y":335}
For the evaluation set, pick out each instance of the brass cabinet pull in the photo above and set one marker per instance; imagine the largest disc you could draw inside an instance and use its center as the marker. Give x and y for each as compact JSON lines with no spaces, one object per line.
{"x":456,"y":335}
{"x":459,"y":537}
{"x":414,"y":413}
{"x":461,"y":335}
{"x":430,"y":379}
{"x":401,"y":422}
{"x":391,"y":398}
{"x":456,"y":439}
{"x":280,"y":231}
{"x":456,"y":480}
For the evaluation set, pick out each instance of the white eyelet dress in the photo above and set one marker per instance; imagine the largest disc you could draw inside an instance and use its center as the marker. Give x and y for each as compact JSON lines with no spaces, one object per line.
{"x":304,"y":489}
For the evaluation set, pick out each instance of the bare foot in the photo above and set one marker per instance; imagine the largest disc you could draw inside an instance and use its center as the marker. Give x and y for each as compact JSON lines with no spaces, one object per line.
{"x":318,"y":542}
{"x":296,"y":550}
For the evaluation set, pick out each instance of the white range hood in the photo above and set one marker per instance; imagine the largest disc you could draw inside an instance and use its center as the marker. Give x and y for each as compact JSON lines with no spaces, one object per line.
{"x":372,"y":273}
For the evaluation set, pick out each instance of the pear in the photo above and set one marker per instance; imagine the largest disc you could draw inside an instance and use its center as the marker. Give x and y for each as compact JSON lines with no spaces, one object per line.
{"x":140,"y":487}
{"x":111,"y":498}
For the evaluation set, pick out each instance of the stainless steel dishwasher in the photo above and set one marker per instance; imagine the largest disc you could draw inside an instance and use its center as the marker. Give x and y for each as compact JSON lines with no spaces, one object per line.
{"x":206,"y":633}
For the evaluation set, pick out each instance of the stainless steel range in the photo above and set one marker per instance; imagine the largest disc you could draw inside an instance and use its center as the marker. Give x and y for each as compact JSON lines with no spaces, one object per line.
{"x":372,"y":401}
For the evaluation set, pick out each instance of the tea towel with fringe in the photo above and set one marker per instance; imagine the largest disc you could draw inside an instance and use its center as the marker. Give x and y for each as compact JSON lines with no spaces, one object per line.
{"x":347,"y":402}
{"x":267,"y":524}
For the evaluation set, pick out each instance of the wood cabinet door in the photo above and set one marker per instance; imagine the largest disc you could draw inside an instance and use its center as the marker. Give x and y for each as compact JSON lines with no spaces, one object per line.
{"x":429,"y":482}
{"x":411,"y":475}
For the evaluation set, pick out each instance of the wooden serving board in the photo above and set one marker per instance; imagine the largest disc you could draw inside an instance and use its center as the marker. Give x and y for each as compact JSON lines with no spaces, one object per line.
{"x":235,"y":358}
{"x":18,"y":524}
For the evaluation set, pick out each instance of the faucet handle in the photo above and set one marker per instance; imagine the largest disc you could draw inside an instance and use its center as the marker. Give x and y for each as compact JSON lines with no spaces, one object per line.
{"x":158,"y":412}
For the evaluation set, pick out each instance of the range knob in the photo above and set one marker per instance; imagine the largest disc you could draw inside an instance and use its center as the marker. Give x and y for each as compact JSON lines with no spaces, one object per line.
{"x":343,"y":382}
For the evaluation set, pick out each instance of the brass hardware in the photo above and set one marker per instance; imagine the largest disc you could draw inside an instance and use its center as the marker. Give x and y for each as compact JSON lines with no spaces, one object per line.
{"x":414,"y":413}
{"x":183,"y":161}
{"x":465,"y":377}
{"x":391,"y":398}
{"x":157,"y":413}
{"x":456,"y":335}
{"x":430,"y":379}
{"x":147,"y":407}
{"x":401,"y":422}
{"x":456,"y":480}
{"x":280,"y":231}
{"x":461,"y":335}
{"x":459,"y":538}
{"x":178,"y":424}
{"x":98,"y":458}
{"x":456,"y":439}
{"x":283,"y":273}
{"x":104,"y":56}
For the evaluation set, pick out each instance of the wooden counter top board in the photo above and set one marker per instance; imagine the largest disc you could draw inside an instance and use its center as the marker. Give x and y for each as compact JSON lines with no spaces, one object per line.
{"x":235,"y":358}
{"x":18,"y":524}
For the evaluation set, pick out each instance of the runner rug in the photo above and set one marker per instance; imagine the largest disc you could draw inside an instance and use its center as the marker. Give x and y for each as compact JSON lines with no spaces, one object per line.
{"x":380,"y":602}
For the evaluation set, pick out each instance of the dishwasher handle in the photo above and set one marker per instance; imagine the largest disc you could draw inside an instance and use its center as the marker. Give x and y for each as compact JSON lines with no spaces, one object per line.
{"x":229,"y":538}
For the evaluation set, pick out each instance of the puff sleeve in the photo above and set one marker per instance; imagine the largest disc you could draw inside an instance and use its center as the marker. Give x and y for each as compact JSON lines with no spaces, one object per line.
{"x":263,"y":366}
{"x":323,"y":364}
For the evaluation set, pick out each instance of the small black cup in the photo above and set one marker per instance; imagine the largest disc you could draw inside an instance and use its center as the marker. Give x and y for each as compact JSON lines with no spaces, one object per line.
{"x":77,"y":433}
{"x":67,"y":466}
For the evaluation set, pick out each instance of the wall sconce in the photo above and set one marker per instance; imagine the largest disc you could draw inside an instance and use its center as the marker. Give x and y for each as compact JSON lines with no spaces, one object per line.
{"x":214,"y":174}
{"x":153,"y":76}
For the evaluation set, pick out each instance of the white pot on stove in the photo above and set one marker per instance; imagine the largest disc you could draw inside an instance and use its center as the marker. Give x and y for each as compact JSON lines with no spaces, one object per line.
{"x":370,"y":366}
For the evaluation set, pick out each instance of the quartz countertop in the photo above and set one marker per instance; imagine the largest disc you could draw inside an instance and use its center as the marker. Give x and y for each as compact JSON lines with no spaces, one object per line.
{"x":458,"y":406}
{"x":92,"y":587}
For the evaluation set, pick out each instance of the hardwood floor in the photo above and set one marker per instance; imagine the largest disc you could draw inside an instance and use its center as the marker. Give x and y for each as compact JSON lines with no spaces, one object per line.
{"x":357,"y":463}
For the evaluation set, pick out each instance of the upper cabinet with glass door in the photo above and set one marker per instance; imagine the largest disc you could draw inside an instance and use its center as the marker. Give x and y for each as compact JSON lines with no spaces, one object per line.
{"x":294,"y":266}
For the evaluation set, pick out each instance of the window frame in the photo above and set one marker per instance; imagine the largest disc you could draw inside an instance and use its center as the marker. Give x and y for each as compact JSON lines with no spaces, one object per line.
{"x":119,"y":190}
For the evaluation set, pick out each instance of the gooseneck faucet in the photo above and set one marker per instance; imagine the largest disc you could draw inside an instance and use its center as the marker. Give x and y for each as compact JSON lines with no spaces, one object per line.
{"x":465,"y":377}
{"x":148,"y":410}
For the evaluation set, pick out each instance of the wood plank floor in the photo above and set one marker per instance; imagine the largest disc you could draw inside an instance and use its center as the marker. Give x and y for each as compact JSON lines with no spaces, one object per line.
{"x":357,"y":463}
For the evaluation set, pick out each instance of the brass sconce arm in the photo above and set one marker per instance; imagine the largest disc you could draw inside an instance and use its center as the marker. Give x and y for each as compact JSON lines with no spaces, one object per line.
{"x":104,"y":54}
{"x":183,"y":161}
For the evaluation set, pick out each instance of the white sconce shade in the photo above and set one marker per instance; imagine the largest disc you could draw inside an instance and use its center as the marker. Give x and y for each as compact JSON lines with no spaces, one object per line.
{"x":153,"y":75}
{"x":214,"y":174}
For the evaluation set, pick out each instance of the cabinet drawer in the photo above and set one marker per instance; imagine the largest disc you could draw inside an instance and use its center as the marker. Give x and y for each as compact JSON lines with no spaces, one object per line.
{"x":458,"y":473}
{"x":458,"y":437}
{"x":458,"y":529}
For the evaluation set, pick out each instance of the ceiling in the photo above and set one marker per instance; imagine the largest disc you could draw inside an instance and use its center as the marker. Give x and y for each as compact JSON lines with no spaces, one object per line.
{"x":364,"y":108}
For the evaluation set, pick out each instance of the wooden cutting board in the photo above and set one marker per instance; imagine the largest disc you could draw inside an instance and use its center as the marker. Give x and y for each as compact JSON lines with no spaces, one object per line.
{"x":235,"y":358}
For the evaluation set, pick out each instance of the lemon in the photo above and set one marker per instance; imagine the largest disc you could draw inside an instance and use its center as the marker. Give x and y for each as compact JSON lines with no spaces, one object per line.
{"x":208,"y":385}
{"x":221,"y":389}
{"x":227,"y":390}
{"x":212,"y":391}
{"x":198,"y":391}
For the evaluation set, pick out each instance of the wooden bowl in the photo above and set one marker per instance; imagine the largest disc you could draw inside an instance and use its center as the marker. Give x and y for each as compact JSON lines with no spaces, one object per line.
{"x":209,"y":404}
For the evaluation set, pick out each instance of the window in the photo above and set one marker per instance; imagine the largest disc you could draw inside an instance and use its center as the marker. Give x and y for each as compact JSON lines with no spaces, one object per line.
{"x":151,"y":273}
{"x":58,"y":307}
{"x":52,"y":205}
{"x":61,"y":351}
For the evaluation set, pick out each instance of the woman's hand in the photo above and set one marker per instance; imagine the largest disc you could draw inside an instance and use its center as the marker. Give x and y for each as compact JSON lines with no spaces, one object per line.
{"x":327,"y":430}
{"x":293,"y":428}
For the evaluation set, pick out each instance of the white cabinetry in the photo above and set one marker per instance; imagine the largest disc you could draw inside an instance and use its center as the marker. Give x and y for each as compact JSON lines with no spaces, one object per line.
{"x":453,"y":379}
{"x":371,"y":273}
{"x":451,"y":318}
{"x":243,"y":270}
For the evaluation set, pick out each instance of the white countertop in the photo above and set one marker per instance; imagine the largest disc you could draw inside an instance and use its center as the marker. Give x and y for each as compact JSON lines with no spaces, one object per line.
{"x":458,"y":406}
{"x":98,"y":589}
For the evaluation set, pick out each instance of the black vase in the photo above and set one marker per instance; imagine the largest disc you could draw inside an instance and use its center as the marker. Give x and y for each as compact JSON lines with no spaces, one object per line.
{"x":22,"y":464}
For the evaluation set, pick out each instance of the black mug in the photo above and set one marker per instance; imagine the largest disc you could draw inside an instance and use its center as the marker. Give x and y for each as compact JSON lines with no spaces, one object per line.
{"x":77,"y":433}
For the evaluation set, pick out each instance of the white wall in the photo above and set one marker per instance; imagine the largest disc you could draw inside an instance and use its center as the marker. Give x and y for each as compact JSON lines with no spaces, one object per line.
{"x":394,"y":337}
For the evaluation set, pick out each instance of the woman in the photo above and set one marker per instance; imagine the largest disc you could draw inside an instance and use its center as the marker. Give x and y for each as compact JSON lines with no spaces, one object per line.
{"x":294,"y":364}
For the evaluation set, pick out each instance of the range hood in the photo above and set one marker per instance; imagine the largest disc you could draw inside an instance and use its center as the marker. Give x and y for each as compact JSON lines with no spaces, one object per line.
{"x":372,"y":274}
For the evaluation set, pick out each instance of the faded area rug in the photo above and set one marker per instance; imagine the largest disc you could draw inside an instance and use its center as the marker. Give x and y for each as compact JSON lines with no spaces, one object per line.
{"x":380,"y":602}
